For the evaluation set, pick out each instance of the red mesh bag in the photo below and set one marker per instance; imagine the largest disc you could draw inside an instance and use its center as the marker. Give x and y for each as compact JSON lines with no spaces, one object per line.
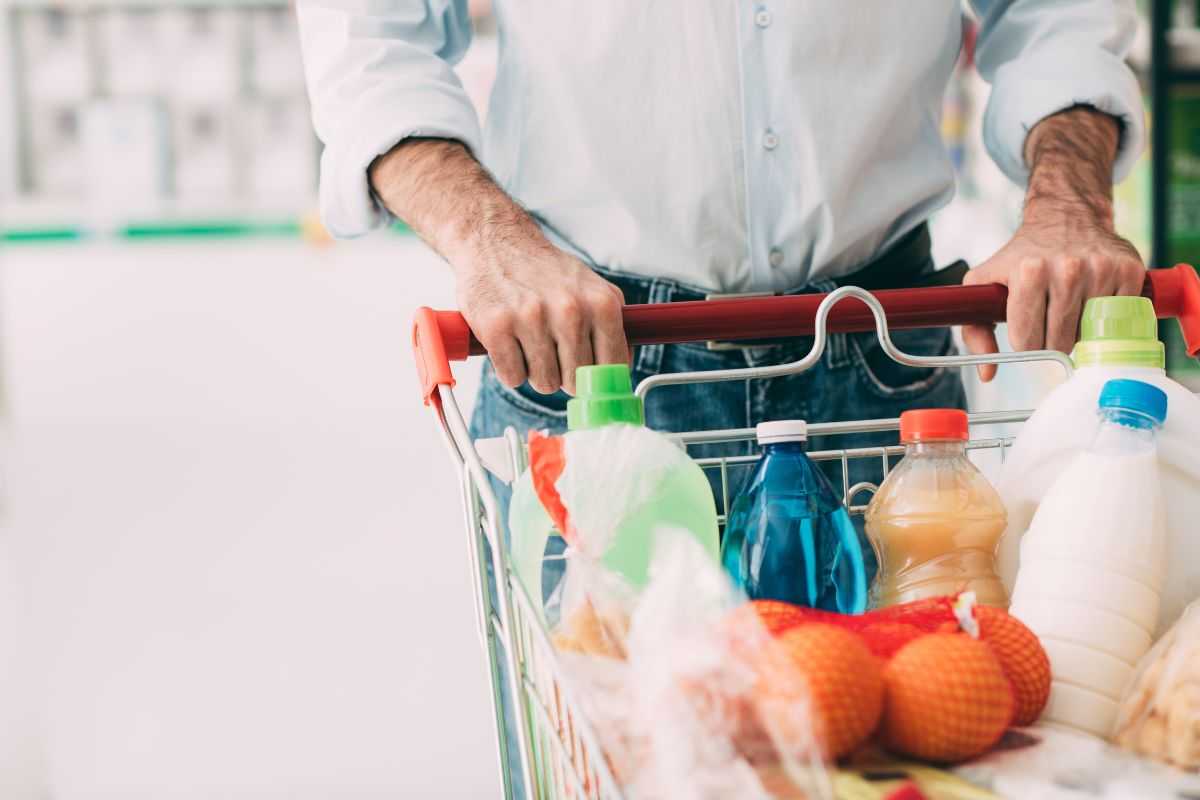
{"x":885,"y":630}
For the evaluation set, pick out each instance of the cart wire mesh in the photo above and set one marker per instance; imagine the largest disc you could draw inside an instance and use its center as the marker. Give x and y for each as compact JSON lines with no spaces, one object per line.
{"x":558,"y":753}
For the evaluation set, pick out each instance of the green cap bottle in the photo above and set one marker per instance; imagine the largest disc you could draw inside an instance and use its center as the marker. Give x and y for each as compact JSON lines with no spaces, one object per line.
{"x":1119,"y":331}
{"x":603,"y":395}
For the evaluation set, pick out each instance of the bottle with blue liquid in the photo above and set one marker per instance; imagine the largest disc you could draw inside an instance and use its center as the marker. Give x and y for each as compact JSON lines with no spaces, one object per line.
{"x":788,"y":536}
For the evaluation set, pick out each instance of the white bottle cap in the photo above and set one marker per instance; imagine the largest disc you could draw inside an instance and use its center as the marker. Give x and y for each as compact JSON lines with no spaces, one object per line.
{"x":784,"y":430}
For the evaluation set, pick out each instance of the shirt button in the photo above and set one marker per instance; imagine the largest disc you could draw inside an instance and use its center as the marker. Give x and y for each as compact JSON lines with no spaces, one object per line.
{"x":770,"y":140}
{"x":775,"y":258}
{"x":762,"y":18}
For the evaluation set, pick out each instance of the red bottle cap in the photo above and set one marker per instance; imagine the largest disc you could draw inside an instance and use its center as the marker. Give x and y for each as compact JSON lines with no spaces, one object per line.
{"x":906,"y":791}
{"x":933,"y":424}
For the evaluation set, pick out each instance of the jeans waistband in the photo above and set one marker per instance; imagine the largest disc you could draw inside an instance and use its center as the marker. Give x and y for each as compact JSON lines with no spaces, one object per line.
{"x":900,"y":265}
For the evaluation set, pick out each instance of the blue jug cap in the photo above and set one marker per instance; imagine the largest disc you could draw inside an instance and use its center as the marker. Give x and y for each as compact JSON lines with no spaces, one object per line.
{"x":1136,"y":396}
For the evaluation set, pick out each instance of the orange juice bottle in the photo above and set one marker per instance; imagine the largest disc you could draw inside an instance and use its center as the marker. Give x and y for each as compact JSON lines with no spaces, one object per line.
{"x":936,"y":521}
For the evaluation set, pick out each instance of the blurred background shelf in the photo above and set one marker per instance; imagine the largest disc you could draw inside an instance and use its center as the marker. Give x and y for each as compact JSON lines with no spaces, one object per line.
{"x":77,"y":5}
{"x":50,"y":221}
{"x":1174,"y":109}
{"x":155,"y":229}
{"x":1184,"y":75}
{"x":148,"y":110}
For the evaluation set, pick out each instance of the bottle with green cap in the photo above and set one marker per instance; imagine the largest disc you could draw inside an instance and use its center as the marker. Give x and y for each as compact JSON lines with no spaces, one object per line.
{"x":658,"y":485}
{"x":1118,"y":340}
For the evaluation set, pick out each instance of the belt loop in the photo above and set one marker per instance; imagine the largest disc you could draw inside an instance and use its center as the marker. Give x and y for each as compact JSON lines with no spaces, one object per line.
{"x":649,"y":357}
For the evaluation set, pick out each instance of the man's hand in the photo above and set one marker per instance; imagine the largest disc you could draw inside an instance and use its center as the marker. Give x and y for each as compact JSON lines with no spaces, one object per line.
{"x":539,"y":312}
{"x":1066,"y":249}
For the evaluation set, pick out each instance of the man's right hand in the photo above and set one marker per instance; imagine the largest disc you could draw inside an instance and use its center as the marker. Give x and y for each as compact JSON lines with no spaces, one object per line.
{"x":539,"y":312}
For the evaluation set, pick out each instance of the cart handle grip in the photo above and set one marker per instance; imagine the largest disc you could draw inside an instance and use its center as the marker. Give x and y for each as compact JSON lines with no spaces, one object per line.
{"x":440,"y":337}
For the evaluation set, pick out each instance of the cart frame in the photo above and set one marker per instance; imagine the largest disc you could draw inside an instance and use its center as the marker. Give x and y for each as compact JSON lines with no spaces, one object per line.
{"x":559,"y":754}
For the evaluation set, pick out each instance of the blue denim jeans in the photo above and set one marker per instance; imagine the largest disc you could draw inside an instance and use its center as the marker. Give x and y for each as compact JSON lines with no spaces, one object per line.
{"x":854,"y":379}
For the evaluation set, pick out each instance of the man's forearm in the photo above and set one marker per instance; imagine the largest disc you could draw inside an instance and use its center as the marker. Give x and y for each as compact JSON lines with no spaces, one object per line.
{"x":539,"y":312}
{"x":1066,"y":249}
{"x":1070,"y":157}
{"x":438,"y":188}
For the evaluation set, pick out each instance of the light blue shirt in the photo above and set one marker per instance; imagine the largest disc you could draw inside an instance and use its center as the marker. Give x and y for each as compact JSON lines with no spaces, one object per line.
{"x":735,"y":146}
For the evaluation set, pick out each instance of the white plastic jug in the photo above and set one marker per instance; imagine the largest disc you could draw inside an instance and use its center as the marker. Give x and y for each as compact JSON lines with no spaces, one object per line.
{"x":1119,"y":340}
{"x":1094,"y":558}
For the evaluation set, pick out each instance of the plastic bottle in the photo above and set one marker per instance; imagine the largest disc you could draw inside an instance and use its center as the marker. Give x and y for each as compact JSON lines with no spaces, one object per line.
{"x":936,"y":521}
{"x":789,"y":537}
{"x":1094,"y":558}
{"x":1119,"y":340}
{"x":680,"y":496}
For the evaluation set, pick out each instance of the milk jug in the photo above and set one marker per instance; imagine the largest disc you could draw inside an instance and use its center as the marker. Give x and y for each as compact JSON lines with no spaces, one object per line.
{"x":1119,"y":340}
{"x":1094,"y":558}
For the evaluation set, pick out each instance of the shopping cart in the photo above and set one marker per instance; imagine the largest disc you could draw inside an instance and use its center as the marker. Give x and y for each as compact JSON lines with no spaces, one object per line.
{"x":559,"y":752}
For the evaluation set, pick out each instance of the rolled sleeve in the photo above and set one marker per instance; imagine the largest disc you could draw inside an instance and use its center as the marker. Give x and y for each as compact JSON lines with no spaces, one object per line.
{"x":1044,"y":57}
{"x":378,"y":73}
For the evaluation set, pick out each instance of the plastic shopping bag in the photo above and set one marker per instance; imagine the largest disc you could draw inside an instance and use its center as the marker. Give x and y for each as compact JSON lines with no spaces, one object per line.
{"x":697,"y":707}
{"x":687,"y":700}
{"x":608,"y":490}
{"x":1160,"y":713}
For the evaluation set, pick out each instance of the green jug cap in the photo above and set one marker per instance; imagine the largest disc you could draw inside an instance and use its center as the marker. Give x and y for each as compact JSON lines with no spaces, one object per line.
{"x":1119,"y":331}
{"x":603,"y":395}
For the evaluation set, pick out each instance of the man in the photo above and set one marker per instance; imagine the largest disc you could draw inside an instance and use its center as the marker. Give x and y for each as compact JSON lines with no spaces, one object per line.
{"x":658,"y":150}
{"x":693,"y":147}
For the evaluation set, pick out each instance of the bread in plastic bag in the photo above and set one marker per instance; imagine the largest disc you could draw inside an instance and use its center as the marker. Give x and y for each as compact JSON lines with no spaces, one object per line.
{"x":1159,"y":716}
{"x":697,"y":708}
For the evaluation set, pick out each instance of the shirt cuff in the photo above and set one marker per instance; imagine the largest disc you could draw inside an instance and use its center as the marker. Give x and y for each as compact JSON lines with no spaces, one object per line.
{"x":349,"y":207}
{"x":1027,"y":91}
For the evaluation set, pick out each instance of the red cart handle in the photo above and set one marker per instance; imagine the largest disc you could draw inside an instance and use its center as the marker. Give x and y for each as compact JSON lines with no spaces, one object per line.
{"x":440,"y":337}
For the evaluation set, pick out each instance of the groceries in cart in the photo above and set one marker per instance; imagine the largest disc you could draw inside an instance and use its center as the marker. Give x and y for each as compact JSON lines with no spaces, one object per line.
{"x":935,"y":520}
{"x":606,"y":485}
{"x":1094,"y":559}
{"x":1119,"y":340}
{"x":931,"y":659}
{"x":703,"y":702}
{"x":807,"y":648}
{"x":789,"y":537}
{"x":1160,"y":713}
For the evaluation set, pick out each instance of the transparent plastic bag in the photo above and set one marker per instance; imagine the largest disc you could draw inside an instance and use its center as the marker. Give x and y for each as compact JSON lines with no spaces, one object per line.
{"x":688,"y":700}
{"x":1159,"y":716}
{"x":1051,"y":763}
{"x":608,"y":490}
{"x":702,"y":703}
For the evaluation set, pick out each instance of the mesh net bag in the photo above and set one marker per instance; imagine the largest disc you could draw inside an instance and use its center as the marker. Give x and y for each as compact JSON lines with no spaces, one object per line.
{"x":884,"y":630}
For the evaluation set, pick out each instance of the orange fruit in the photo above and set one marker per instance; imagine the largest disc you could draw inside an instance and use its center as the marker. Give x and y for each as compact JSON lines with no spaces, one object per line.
{"x":844,"y":684}
{"x":946,"y":698}
{"x":775,"y":615}
{"x":1022,"y":658}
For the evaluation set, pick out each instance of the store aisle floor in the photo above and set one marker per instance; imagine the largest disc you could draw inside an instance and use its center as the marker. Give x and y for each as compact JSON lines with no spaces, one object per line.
{"x":233,"y":528}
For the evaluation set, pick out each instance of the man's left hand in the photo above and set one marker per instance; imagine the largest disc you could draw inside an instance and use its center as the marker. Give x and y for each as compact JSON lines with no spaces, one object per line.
{"x":1066,"y":249}
{"x":1051,"y":270}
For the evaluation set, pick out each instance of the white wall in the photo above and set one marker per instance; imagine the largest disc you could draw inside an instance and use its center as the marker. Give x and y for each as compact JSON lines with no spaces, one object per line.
{"x":236,"y":530}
